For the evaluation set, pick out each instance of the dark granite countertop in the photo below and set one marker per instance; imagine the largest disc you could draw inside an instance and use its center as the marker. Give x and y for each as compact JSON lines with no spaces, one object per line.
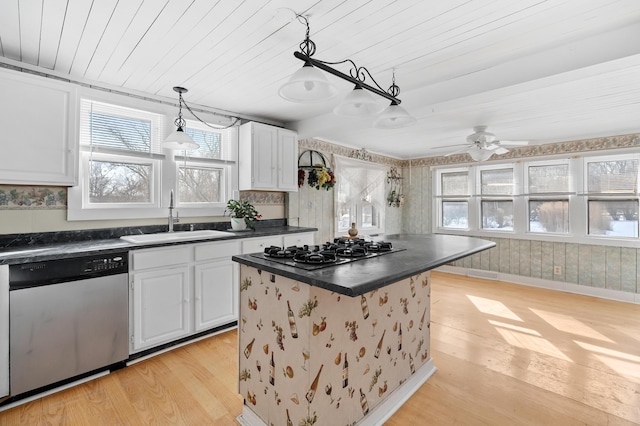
{"x":63,"y":247}
{"x":423,"y":252}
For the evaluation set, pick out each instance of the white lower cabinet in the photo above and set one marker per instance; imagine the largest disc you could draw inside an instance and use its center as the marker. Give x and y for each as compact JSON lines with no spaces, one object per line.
{"x":178,"y":291}
{"x":215,"y":300}
{"x":160,"y":306}
{"x":181,"y":290}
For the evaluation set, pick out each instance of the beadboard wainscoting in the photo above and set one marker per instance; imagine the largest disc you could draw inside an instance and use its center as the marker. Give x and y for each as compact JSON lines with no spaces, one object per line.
{"x":603,"y":271}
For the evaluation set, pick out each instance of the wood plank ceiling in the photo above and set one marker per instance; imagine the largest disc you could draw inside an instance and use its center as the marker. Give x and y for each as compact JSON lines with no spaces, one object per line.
{"x":540,"y":70}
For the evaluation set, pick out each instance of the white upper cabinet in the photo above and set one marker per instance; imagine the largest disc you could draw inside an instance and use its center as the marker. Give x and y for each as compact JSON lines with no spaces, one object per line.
{"x":39,"y":138}
{"x":268,"y":158}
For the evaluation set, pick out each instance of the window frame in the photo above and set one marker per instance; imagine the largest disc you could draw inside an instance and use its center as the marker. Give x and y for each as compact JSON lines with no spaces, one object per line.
{"x":562,"y":196}
{"x":439,"y":216}
{"x":482,"y":197}
{"x":166,"y":164}
{"x":576,"y":196}
{"x":608,"y":196}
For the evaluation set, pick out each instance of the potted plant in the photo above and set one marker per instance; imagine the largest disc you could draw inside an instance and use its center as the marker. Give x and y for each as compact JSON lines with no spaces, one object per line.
{"x":242,"y":214}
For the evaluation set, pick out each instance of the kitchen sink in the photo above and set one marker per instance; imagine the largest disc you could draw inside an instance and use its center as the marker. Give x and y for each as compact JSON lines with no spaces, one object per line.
{"x":162,"y":237}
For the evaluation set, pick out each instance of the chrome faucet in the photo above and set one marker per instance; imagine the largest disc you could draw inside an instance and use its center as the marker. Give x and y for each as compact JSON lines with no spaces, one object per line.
{"x":172,"y":219}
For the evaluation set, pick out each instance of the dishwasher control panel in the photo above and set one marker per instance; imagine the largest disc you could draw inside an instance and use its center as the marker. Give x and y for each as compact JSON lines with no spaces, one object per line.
{"x":61,"y":270}
{"x":106,"y":263}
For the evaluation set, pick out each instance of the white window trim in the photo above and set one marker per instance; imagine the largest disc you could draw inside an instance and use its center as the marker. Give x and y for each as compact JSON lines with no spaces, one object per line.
{"x":165,"y":171}
{"x":79,"y":209}
{"x":568,"y":195}
{"x":439,"y":198}
{"x":226,"y":186}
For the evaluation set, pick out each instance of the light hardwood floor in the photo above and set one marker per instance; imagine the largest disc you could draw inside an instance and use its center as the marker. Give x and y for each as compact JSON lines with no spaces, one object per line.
{"x":506,"y":355}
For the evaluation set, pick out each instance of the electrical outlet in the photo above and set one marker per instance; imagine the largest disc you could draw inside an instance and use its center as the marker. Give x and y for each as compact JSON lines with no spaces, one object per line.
{"x":557,"y":270}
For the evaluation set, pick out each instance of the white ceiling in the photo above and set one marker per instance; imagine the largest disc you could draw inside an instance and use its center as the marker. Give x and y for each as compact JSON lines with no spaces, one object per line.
{"x":540,"y":70}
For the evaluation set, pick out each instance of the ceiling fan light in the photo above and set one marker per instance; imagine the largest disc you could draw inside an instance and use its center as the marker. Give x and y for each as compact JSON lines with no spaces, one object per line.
{"x":307,"y":85}
{"x":179,"y":140}
{"x":394,"y":117}
{"x":358,"y":103}
{"x":480,"y":154}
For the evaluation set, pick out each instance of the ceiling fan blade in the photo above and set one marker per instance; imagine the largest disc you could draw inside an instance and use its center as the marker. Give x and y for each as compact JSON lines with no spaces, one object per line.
{"x":448,"y":146}
{"x":460,"y":151}
{"x":500,"y":150}
{"x":514,"y":143}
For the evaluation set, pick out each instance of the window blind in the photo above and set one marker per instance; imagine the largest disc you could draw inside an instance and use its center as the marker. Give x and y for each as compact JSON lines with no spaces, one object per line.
{"x":113,"y":127}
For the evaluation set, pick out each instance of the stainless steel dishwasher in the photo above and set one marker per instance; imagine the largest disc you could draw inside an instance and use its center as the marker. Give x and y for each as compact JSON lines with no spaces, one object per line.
{"x":67,"y":317}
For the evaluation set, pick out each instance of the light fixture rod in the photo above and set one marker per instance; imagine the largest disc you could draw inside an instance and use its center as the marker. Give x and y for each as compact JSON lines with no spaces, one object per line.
{"x":321,"y":65}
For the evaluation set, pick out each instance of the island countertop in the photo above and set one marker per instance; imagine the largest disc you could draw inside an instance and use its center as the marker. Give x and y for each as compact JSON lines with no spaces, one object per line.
{"x":422,"y":253}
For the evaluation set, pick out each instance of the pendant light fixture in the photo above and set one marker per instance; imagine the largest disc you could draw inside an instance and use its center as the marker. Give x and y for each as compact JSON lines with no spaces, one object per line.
{"x":394,"y":116}
{"x":309,"y":85}
{"x":358,"y":103}
{"x":179,"y":140}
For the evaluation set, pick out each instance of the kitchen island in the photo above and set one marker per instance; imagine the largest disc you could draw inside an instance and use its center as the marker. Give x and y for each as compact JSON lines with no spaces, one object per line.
{"x":339,"y":344}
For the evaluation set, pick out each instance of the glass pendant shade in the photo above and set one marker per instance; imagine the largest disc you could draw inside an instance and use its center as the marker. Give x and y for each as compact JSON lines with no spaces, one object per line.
{"x":179,"y":140}
{"x":358,"y":103}
{"x":394,"y":117}
{"x":308,"y":85}
{"x":478,"y":154}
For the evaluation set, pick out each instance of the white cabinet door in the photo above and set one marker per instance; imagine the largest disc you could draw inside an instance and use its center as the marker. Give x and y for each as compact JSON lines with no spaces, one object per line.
{"x":215,"y":293}
{"x":265,"y":150}
{"x":268,"y":158}
{"x":287,"y":160}
{"x":38,"y":121}
{"x":258,"y":156}
{"x":161,"y":306}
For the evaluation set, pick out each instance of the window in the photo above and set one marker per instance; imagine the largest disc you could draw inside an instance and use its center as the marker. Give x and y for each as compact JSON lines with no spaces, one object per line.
{"x":612,"y":190}
{"x":548,"y":186}
{"x":202,"y":173}
{"x":120,"y":162}
{"x":496,"y":203}
{"x":591,"y":199}
{"x":200,"y":185}
{"x":124,"y":172}
{"x":119,"y":182}
{"x":360,"y":197}
{"x":454,"y":206}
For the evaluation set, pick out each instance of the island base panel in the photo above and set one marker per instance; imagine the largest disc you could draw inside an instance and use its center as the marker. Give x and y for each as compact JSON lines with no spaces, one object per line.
{"x":310,"y":354}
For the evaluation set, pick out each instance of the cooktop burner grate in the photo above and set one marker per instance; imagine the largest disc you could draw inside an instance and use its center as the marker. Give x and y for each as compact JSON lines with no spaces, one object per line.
{"x":338,"y":252}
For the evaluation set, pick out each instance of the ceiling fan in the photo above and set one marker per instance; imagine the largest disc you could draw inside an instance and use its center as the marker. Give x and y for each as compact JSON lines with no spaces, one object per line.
{"x":481,"y":145}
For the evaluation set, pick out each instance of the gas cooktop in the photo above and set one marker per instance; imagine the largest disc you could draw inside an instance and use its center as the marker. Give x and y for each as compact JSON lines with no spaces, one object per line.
{"x":339,"y":252}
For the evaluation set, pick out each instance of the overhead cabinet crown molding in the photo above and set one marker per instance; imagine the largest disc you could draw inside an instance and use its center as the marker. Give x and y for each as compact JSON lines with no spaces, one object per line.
{"x":38,"y":118}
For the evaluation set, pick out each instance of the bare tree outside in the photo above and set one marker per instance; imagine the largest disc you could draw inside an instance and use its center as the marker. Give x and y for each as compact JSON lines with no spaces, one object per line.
{"x":120,"y":182}
{"x":200,"y":185}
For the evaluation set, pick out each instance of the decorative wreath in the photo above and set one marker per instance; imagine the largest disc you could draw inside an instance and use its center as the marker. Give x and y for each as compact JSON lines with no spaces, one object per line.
{"x":317,"y":175}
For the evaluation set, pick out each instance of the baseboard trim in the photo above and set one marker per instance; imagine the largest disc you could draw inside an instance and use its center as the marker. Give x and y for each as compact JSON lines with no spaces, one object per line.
{"x":603,"y":293}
